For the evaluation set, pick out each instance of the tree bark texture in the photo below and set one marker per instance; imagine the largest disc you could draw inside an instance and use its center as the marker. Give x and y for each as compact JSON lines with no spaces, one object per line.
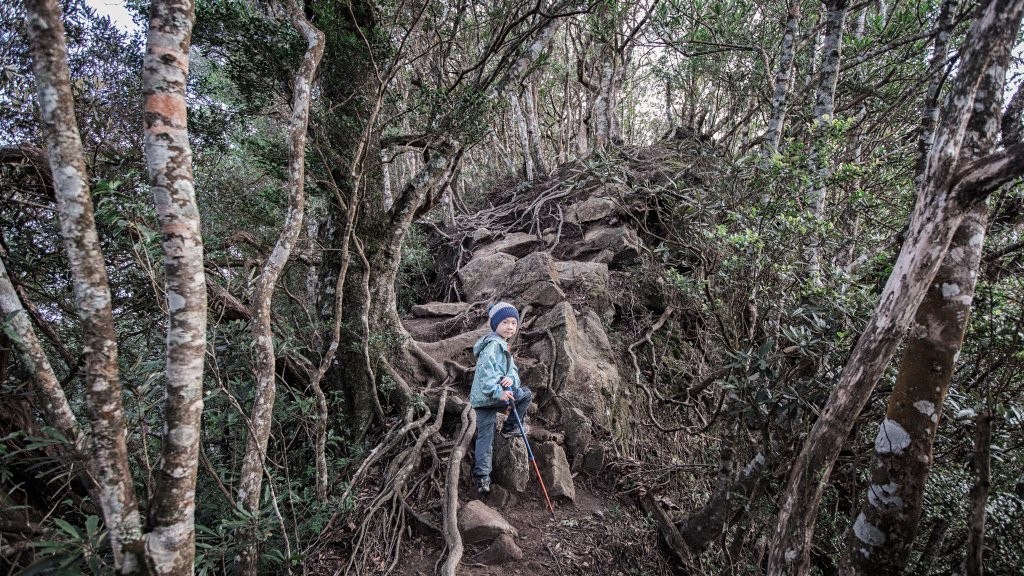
{"x":451,"y":503}
{"x":519,"y":120}
{"x":533,"y":129}
{"x":92,"y":291}
{"x":55,"y":407}
{"x":883,"y":533}
{"x":251,"y":475}
{"x":783,"y":79}
{"x":170,"y":540}
{"x":824,"y":111}
{"x":930,"y":112}
{"x":974,"y":564}
{"x":949,"y":190}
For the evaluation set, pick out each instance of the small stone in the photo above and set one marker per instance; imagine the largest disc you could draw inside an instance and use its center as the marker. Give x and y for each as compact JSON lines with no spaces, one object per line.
{"x":501,"y":551}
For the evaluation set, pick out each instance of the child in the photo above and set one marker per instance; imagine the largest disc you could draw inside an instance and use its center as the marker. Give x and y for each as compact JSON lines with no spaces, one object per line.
{"x":495,"y":384}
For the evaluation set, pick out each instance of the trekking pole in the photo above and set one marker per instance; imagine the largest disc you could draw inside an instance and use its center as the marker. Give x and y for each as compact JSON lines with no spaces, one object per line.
{"x":529,"y":451}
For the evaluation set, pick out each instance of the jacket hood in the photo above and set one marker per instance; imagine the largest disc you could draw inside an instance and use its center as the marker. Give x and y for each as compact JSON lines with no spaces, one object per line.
{"x":486,"y":339}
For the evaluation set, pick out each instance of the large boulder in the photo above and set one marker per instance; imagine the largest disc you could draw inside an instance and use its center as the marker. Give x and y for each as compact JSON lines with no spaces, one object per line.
{"x":534,"y":280}
{"x":478,"y":522}
{"x":585,"y":371}
{"x":485,"y":277}
{"x":518,"y":244}
{"x":591,"y":277}
{"x":579,"y":433}
{"x":592,"y":209}
{"x":554,"y":469}
{"x":502,"y":551}
{"x":615,"y":246}
{"x":510,"y":465}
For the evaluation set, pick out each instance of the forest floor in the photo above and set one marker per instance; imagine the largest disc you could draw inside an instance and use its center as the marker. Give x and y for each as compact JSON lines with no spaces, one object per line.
{"x":595,"y":535}
{"x":598,"y":534}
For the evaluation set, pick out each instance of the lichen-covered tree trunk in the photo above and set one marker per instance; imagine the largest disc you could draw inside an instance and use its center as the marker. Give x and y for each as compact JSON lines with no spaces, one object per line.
{"x":974,"y":562}
{"x":519,"y":119}
{"x":92,"y":292}
{"x":783,"y":79}
{"x":251,"y":475}
{"x":949,"y":191}
{"x":533,"y":129}
{"x":824,"y":111}
{"x":882,"y":535}
{"x":170,"y":538}
{"x":930,"y":112}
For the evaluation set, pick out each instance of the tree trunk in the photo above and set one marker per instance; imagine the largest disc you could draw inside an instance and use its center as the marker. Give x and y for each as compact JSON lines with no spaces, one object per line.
{"x":824,"y":110}
{"x":783,"y":80}
{"x":519,"y":120}
{"x":251,"y":475}
{"x":932,"y":547}
{"x":982,"y":464}
{"x":92,"y":292}
{"x":930,"y":112}
{"x":949,"y":191}
{"x":533,"y":129}
{"x":883,"y":534}
{"x":170,"y":541}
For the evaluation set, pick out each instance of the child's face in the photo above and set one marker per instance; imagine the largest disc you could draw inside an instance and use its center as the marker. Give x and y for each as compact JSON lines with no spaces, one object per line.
{"x":507,"y":328}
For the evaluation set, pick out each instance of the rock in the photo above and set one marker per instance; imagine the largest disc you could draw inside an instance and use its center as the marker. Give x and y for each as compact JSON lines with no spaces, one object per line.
{"x":554,"y":469}
{"x":593,"y":461}
{"x":584,"y":366}
{"x":534,"y":280}
{"x":498,"y":497}
{"x":484,"y":278}
{"x":592,"y":209}
{"x":518,"y":244}
{"x":478,"y":522}
{"x":434,"y":309}
{"x":501,"y":551}
{"x":592,"y":277}
{"x":579,"y":432}
{"x":615,"y":246}
{"x":478,"y":236}
{"x":510,"y":464}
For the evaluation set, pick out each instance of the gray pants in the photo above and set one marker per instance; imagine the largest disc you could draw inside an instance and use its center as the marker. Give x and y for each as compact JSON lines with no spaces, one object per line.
{"x":486,"y":419}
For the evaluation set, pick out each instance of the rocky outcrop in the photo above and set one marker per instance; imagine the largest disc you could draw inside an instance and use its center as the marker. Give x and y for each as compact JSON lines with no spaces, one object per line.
{"x":517,"y":244}
{"x":482,"y":278}
{"x":478,"y":522}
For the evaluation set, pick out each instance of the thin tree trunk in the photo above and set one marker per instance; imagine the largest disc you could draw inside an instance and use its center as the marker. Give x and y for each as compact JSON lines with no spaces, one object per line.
{"x":884,"y":532}
{"x":932,"y":547}
{"x":930,"y":112}
{"x":55,"y":407}
{"x":251,"y":475}
{"x":533,"y":129}
{"x":92,"y":292}
{"x":783,"y":80}
{"x":974,"y":563}
{"x":824,"y":110}
{"x":524,"y":136}
{"x":170,"y":541}
{"x":949,"y":191}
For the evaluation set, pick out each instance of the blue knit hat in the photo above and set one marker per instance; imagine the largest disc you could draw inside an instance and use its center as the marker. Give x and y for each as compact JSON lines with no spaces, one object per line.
{"x":499,"y":311}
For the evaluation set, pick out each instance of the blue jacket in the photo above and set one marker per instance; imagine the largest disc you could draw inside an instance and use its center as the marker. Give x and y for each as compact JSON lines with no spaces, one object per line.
{"x":493,"y":362}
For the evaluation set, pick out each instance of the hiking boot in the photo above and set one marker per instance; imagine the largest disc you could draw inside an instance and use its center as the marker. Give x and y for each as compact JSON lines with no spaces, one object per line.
{"x":513,"y":433}
{"x":483,"y":484}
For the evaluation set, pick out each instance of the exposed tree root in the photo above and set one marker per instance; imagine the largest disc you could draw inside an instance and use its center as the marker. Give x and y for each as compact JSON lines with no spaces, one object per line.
{"x":452,"y":537}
